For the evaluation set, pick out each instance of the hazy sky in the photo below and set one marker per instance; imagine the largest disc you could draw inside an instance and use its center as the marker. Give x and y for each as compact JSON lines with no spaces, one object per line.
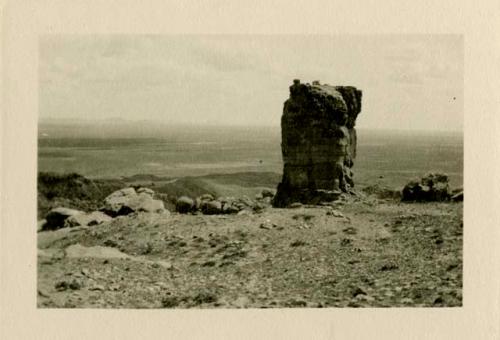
{"x":408,"y":82}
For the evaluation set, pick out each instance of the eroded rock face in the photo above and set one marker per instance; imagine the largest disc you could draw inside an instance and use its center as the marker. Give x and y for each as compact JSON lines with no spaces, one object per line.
{"x":318,"y":142}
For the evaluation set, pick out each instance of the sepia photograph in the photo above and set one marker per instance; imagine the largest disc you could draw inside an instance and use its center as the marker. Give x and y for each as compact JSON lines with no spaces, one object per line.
{"x":215,"y":169}
{"x":250,"y":171}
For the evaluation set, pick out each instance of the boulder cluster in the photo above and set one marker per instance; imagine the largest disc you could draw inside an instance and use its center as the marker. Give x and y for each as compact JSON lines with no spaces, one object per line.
{"x":120,"y":202}
{"x":431,"y":187}
{"x":209,"y":205}
{"x":318,"y":142}
{"x":129,"y":200}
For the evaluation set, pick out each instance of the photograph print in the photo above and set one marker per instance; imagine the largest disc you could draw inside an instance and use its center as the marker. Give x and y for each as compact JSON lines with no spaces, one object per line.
{"x":250,"y":171}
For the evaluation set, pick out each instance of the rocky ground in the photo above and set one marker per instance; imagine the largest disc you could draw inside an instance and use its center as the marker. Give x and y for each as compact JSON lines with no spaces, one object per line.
{"x":360,"y":252}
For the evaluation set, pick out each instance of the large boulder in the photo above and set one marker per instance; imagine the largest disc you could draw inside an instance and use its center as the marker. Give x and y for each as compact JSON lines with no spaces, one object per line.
{"x":58,"y":216}
{"x":127,"y":200}
{"x":184,"y":205}
{"x":318,"y":142}
{"x":211,"y":207}
{"x":431,"y":187}
{"x":90,"y":219}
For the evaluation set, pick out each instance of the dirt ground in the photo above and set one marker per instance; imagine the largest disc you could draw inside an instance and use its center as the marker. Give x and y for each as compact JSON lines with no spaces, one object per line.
{"x":362,"y":253}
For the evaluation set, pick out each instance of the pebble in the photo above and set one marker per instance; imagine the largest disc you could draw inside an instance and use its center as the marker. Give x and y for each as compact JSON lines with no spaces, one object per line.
{"x":334,"y":213}
{"x":364,"y":297}
{"x":358,"y":291}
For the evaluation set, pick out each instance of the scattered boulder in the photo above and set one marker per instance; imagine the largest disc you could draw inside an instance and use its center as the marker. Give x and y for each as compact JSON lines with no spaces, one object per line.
{"x":149,"y":205}
{"x":211,"y":207}
{"x":57,"y":217}
{"x":431,"y":187}
{"x":207,"y":197}
{"x":87,"y":219}
{"x":230,"y":209}
{"x":245,"y":202}
{"x":126,"y":201}
{"x":222,"y":205}
{"x":268,"y":192}
{"x":258,"y":206}
{"x":184,"y":205}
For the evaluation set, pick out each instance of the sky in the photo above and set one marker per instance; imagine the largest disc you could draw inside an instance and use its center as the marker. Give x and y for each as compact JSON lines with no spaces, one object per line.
{"x":408,"y":81}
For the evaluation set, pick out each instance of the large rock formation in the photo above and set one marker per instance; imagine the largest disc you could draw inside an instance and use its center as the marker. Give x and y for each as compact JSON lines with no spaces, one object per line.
{"x":318,"y":142}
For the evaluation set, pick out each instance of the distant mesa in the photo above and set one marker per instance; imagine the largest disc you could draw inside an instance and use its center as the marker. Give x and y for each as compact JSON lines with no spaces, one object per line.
{"x":318,"y":142}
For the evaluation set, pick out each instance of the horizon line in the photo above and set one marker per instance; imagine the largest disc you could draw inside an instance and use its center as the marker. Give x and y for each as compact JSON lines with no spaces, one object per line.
{"x":62,"y":121}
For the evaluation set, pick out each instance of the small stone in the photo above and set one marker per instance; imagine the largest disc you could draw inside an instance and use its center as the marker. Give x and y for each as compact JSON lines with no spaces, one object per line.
{"x":334,"y":213}
{"x":42,"y":293}
{"x":350,"y":231}
{"x":407,"y":301}
{"x":244,"y":213}
{"x":364,"y":297}
{"x":357,"y":291}
{"x":459,"y":197}
{"x":64,"y":285}
{"x":110,"y":243}
{"x":438,"y":301}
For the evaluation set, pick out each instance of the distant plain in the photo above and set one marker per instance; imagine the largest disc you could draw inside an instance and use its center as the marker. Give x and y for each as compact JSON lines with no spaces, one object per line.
{"x":387,"y":157}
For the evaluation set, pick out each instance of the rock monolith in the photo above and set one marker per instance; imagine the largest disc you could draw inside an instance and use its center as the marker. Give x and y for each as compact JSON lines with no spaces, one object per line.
{"x":318,"y":142}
